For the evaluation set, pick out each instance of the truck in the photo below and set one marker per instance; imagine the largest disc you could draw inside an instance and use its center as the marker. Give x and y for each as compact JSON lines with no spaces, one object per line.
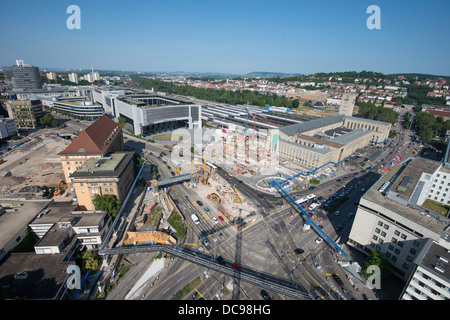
{"x":195,"y":218}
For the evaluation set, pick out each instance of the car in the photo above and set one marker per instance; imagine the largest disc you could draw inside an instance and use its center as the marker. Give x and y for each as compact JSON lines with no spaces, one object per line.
{"x":221,"y":218}
{"x":265,"y":295}
{"x":237,"y":267}
{"x":337,"y":213}
{"x":338,"y":227}
{"x":319,"y":240}
{"x":199,"y":203}
{"x":311,"y":188}
{"x":206,"y":209}
{"x":205,"y":241}
{"x":338,"y":280}
{"x":299,"y":251}
{"x":350,"y":214}
{"x":221,"y":260}
{"x":215,"y":220}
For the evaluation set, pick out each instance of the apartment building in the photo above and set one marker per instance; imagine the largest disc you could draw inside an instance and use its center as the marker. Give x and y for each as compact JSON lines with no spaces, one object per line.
{"x":97,"y":140}
{"x":26,"y":113}
{"x":111,"y":174}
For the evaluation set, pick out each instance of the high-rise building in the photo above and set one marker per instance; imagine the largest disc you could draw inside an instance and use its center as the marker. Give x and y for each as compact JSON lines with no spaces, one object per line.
{"x":51,"y":75}
{"x":25,"y":77}
{"x":73,"y":77}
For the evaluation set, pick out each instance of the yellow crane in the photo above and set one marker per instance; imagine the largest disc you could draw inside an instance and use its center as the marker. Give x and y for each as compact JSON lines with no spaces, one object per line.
{"x":239,"y":199}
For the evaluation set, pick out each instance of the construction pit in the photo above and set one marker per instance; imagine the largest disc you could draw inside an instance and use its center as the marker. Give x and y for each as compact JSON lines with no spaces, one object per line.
{"x":33,"y":167}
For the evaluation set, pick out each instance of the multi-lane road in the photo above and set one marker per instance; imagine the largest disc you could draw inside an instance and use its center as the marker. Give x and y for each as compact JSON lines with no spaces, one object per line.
{"x":270,"y":244}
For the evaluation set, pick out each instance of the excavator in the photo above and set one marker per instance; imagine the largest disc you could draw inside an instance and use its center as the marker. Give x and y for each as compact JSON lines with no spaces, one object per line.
{"x":60,"y":190}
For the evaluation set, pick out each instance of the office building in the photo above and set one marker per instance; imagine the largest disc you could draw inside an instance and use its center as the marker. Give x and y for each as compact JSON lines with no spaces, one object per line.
{"x":112,"y":174}
{"x":25,"y":77}
{"x":78,"y":109}
{"x":385,"y":220}
{"x":150,"y":113}
{"x":100,"y":138}
{"x":26,"y":113}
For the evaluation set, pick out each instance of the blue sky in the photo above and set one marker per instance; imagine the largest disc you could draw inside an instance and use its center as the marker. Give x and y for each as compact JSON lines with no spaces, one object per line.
{"x":229,"y":36}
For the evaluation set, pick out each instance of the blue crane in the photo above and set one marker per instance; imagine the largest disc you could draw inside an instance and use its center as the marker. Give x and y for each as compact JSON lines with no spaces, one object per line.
{"x":303,"y":212}
{"x":285,"y":182}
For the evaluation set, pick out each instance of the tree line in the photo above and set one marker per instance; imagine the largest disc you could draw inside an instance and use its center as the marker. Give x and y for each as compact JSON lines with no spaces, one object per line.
{"x":368,"y":110}
{"x":217,"y":95}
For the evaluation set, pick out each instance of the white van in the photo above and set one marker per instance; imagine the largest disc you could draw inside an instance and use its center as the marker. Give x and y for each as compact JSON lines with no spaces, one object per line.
{"x":195,"y":218}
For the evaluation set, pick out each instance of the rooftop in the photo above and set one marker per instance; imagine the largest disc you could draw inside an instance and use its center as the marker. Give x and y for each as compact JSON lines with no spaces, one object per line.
{"x":109,"y":166}
{"x":436,"y":259}
{"x":95,"y":139}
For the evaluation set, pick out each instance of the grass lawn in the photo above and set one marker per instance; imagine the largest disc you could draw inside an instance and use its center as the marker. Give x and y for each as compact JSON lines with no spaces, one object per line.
{"x":436,"y":207}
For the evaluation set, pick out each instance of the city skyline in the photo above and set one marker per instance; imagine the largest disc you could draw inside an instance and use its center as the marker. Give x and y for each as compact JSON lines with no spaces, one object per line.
{"x":229,"y":37}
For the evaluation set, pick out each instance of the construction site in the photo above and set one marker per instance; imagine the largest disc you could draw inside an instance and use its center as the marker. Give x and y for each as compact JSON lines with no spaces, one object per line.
{"x":32,"y":170}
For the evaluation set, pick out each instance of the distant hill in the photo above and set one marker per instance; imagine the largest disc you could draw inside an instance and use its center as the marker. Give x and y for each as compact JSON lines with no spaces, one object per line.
{"x":419,"y":75}
{"x":265,"y":74}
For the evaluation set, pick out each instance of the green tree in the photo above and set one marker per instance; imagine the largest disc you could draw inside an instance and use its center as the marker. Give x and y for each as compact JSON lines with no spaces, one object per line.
{"x":46,"y":119}
{"x":88,"y":261}
{"x":378,"y":259}
{"x":108,"y":203}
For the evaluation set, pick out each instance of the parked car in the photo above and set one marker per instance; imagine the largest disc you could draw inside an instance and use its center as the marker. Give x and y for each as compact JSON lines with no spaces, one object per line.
{"x":215,"y":220}
{"x":221,"y":218}
{"x":319,"y":240}
{"x":299,"y":251}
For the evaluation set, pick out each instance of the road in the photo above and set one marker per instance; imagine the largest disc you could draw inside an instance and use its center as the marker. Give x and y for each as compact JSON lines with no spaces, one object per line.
{"x":269,"y":245}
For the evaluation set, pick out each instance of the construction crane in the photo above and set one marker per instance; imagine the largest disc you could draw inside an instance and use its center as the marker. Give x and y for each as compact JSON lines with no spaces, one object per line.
{"x":239,"y":199}
{"x":307,"y":217}
{"x":285,"y":182}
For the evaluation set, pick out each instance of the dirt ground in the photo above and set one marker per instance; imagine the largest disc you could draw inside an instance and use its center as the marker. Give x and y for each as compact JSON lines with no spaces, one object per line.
{"x":27,"y":169}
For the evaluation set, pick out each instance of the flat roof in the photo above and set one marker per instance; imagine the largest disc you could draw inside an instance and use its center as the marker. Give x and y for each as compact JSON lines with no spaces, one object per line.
{"x":427,"y":221}
{"x":11,"y":223}
{"x":409,"y":177}
{"x":45,"y":275}
{"x":432,"y":260}
{"x":111,"y":165}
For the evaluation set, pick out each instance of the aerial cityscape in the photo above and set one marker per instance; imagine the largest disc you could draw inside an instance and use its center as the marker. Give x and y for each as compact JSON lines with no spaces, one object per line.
{"x":229,"y":151}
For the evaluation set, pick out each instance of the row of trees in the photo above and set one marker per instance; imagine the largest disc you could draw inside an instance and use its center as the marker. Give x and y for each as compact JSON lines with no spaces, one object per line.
{"x":428,"y":126}
{"x":417,"y":95}
{"x":219,"y":95}
{"x":369,"y":110}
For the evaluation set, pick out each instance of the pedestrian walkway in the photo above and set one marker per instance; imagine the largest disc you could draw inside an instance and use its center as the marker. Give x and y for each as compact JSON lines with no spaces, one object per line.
{"x":155,"y":268}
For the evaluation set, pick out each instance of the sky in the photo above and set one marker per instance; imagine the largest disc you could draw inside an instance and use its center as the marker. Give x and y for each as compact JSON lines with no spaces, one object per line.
{"x":229,"y":36}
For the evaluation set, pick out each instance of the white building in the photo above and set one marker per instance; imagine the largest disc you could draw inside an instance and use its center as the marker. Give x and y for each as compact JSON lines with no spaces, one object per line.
{"x":148,"y":112}
{"x":73,"y":77}
{"x":386,"y":220}
{"x":431,"y":278}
